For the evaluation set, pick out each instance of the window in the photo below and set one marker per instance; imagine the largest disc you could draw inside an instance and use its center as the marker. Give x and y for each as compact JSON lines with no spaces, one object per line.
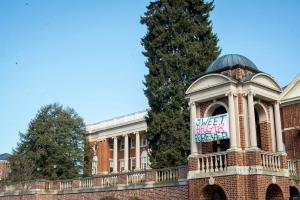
{"x":122,"y":145}
{"x":132,"y":143}
{"x":122,"y":165}
{"x":111,"y":145}
{"x":144,"y":141}
{"x":111,"y":165}
{"x":144,"y":160}
{"x":132,"y":164}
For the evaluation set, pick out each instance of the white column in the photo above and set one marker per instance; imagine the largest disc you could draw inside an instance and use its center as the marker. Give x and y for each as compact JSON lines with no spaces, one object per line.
{"x":137,"y":151}
{"x":199,"y":144}
{"x":232,"y":121}
{"x":278,"y":127}
{"x":252,"y":126}
{"x":115,"y":155}
{"x":271,"y":112}
{"x":192,"y":127}
{"x":126,"y":153}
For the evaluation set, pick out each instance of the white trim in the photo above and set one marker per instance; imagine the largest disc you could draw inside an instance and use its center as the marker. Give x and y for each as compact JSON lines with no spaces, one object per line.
{"x":239,"y":170}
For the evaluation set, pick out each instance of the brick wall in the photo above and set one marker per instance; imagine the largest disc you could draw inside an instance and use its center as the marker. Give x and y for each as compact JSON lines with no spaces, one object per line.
{"x":290,"y":116}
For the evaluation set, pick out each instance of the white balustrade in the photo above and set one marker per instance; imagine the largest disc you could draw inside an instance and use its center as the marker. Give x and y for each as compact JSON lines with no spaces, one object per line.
{"x":292,"y":167}
{"x":139,"y":177}
{"x":65,"y":185}
{"x":271,"y":161}
{"x":109,"y":181}
{"x":215,"y":162}
{"x":171,"y":174}
{"x":87,"y":182}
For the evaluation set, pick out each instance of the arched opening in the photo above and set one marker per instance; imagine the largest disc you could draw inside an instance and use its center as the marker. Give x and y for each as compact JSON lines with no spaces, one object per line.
{"x":263,"y":128}
{"x":294,"y":193}
{"x":214,"y":192}
{"x":274,"y":193}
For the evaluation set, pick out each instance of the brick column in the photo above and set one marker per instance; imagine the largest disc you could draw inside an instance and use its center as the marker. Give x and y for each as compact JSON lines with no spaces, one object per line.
{"x":252,"y":126}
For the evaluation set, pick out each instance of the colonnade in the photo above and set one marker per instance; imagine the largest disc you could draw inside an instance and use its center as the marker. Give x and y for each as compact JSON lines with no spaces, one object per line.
{"x":233,"y":120}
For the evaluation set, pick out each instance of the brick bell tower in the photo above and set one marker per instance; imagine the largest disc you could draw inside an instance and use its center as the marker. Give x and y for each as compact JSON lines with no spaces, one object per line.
{"x":237,"y":150}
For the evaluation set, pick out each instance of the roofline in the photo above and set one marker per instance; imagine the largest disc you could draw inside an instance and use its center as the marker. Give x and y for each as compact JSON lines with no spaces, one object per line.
{"x":226,"y":68}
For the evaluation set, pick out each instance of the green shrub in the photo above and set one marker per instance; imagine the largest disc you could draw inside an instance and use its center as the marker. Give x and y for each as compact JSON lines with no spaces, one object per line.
{"x":109,"y":198}
{"x":134,"y":198}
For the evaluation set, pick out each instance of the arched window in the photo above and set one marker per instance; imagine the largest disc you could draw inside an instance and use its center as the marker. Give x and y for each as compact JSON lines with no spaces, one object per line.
{"x":220,"y":145}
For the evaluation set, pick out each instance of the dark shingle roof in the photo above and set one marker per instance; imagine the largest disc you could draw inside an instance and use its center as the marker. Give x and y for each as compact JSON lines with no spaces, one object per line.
{"x":229,"y":61}
{"x":4,"y":156}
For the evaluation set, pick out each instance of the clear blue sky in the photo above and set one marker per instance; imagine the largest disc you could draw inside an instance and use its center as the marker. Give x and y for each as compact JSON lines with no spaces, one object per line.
{"x":87,"y":54}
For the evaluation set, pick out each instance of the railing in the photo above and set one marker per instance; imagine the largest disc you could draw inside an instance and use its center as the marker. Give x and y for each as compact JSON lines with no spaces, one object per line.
{"x":271,"y":161}
{"x":150,"y":176}
{"x":65,"y":185}
{"x":292,"y":167}
{"x":215,"y":162}
{"x":87,"y":182}
{"x":109,"y":181}
{"x":135,"y":178}
{"x":171,"y":174}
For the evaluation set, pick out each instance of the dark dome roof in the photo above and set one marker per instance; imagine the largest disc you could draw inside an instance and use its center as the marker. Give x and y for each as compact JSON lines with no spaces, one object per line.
{"x":229,"y":61}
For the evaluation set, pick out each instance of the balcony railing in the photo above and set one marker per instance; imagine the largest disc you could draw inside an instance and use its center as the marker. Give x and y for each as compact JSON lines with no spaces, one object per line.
{"x":215,"y":162}
{"x":166,"y":175}
{"x":271,"y":161}
{"x":136,"y":177}
{"x":292,"y":167}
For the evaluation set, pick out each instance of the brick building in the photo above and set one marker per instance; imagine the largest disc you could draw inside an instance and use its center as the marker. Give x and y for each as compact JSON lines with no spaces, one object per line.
{"x":244,"y":137}
{"x":4,"y":166}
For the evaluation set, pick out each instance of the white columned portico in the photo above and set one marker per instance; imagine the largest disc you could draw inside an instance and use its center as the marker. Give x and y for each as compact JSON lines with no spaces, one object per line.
{"x":137,"y":151}
{"x":115,"y":170}
{"x":278,"y":127}
{"x":194,"y":150}
{"x":232,"y":121}
{"x":126,"y":158}
{"x":252,"y":126}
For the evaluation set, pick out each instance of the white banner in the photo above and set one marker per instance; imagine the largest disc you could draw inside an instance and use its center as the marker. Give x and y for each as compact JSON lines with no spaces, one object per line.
{"x":212,"y":128}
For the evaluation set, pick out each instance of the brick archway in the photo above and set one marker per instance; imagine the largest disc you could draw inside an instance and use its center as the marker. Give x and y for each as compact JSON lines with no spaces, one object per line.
{"x":274,"y":192}
{"x":214,"y":192}
{"x":263,"y":127}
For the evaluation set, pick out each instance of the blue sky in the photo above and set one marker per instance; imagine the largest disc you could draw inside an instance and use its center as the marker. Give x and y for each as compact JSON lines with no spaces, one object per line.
{"x":87,"y":54}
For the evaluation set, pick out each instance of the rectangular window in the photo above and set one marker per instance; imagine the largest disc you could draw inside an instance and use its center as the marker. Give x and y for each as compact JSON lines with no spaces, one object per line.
{"x":144,"y":141}
{"x":132,"y":143}
{"x":122,"y":145}
{"x":122,"y":165}
{"x":133,"y":165}
{"x":111,"y":165}
{"x":111,"y":145}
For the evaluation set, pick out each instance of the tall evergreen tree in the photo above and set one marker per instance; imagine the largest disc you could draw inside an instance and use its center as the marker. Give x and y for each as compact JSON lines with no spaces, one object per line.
{"x":88,"y":158}
{"x":52,"y":147}
{"x":179,"y":45}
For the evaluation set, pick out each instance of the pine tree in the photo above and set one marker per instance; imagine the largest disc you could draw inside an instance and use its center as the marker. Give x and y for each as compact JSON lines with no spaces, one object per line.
{"x":53,"y":145}
{"x":88,"y":159}
{"x":179,"y":45}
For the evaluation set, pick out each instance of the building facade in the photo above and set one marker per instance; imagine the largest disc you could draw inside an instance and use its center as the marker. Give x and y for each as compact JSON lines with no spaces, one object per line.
{"x":119,"y":144}
{"x":258,"y":159}
{"x":4,"y":166}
